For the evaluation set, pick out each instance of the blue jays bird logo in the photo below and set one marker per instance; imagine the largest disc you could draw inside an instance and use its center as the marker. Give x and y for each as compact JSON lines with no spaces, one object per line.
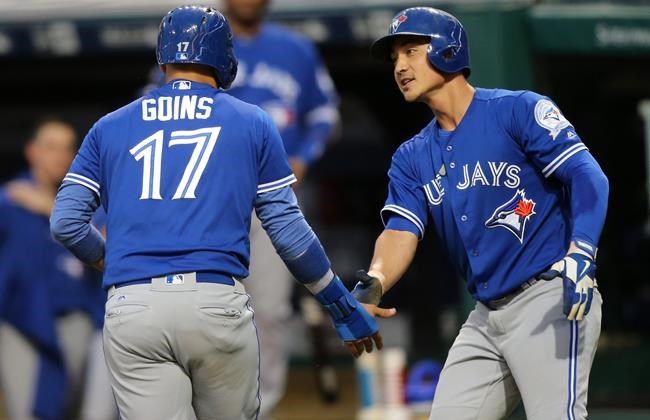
{"x":396,"y":22}
{"x":513,"y":214}
{"x":549,"y":117}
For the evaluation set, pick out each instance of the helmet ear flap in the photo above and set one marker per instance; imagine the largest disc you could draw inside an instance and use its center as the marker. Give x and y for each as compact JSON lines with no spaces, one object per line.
{"x":449,"y":53}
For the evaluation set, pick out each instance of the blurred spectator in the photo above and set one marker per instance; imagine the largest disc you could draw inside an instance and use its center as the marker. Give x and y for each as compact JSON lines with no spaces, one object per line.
{"x":281,"y":71}
{"x":51,"y":307}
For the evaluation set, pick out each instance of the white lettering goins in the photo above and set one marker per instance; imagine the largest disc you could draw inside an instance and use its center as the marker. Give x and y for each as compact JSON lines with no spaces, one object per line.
{"x":182,"y":107}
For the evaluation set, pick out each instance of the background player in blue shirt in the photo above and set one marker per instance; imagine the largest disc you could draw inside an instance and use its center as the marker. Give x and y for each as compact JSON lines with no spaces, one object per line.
{"x":280,"y":71}
{"x":50,"y":304}
{"x":516,"y":197}
{"x":179,"y":172}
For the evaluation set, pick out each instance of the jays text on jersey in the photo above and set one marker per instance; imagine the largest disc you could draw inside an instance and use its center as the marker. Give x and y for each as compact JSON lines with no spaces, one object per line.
{"x":489,"y":189}
{"x":154,"y":180}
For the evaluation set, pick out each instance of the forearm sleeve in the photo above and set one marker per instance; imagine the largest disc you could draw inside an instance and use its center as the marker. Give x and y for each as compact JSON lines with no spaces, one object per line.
{"x":70,"y":222}
{"x":589,"y":189}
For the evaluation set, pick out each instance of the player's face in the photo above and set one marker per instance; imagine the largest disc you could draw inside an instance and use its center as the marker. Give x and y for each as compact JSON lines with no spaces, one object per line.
{"x":51,"y":151}
{"x":246,"y":12}
{"x":414,"y":75}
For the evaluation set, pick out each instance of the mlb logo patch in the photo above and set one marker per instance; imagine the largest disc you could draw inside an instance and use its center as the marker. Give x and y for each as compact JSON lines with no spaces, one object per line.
{"x":182,"y":85}
{"x":175,"y":279}
{"x":181,"y":56}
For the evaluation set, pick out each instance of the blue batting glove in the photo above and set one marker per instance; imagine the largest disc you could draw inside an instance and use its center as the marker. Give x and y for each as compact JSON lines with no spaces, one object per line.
{"x":578,"y":271}
{"x":351,"y":320}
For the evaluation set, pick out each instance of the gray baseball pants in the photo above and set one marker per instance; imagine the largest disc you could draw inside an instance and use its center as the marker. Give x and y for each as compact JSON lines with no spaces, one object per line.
{"x":19,"y":362}
{"x":182,"y":351}
{"x":270,"y":286}
{"x":524,"y":350}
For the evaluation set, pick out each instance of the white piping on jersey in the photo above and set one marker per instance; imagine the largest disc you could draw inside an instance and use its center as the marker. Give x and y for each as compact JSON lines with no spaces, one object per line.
{"x":404,"y":213}
{"x":280,"y":183}
{"x":82,"y":180}
{"x":561,"y":158}
{"x":322,"y":114}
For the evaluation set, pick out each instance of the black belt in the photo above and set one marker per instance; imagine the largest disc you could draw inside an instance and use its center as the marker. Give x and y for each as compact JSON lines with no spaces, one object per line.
{"x":497,"y":303}
{"x":201,"y":277}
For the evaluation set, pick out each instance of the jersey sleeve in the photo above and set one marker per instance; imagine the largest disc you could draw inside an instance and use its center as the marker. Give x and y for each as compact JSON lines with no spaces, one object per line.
{"x":405,"y":197}
{"x":319,"y":98}
{"x":85,"y":166}
{"x":546,"y":136}
{"x":274,"y":169}
{"x":318,"y":107}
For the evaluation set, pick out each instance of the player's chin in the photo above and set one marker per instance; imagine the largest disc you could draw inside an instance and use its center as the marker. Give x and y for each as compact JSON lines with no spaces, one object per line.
{"x":409,"y":96}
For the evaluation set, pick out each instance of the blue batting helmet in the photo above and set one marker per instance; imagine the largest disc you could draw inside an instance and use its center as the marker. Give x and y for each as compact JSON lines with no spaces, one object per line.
{"x":198,"y":35}
{"x":448,"y":49}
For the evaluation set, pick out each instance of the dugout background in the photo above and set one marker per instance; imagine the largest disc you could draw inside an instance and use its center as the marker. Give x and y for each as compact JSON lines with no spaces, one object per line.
{"x":598,"y":89}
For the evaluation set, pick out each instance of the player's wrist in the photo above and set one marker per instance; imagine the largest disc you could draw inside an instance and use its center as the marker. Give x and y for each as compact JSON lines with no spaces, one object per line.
{"x":379,"y":276}
{"x":582,"y":247}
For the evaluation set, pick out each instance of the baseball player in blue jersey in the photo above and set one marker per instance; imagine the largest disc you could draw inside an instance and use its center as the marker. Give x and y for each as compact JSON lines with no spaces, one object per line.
{"x":280,"y":71}
{"x":179,"y":172}
{"x":519,"y":202}
{"x":50,"y":306}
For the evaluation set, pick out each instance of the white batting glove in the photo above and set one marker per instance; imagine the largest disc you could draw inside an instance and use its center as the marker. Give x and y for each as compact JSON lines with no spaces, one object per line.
{"x":578,"y":271}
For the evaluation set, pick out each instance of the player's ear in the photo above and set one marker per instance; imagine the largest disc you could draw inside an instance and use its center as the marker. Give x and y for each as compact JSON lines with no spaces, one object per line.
{"x":29,"y":151}
{"x":163,"y":68}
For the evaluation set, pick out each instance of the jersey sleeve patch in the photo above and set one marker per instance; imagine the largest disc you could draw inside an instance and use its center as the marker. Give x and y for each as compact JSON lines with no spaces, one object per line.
{"x":82,"y":180}
{"x":274,"y":185}
{"x":549,"y":117}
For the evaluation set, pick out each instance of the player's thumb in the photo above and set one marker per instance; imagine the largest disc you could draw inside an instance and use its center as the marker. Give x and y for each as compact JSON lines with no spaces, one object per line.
{"x":385,"y":312}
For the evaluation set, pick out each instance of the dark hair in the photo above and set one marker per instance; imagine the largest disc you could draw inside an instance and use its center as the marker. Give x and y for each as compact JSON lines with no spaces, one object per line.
{"x":50,"y":119}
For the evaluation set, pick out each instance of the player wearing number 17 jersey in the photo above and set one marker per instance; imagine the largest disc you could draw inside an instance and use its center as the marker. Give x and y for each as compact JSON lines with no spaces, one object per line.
{"x":179,"y":172}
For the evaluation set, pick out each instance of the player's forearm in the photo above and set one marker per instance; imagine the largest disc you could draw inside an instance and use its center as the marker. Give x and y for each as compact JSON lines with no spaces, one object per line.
{"x":394,"y":251}
{"x":589,"y":194}
{"x":70,"y":223}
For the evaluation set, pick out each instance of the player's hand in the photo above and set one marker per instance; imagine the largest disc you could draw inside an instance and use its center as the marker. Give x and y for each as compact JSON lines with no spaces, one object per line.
{"x":357,"y":347}
{"x":99,"y":265}
{"x":299,"y":169}
{"x":31,"y":197}
{"x":368,"y":289}
{"x":578,"y":271}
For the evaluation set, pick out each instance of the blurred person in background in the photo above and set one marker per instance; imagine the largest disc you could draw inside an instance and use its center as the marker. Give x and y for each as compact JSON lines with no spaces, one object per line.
{"x":281,"y":71}
{"x":51,"y":307}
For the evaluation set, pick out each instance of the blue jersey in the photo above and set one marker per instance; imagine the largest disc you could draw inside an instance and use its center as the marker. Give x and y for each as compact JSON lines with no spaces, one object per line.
{"x":281,"y":72}
{"x":40,"y":280}
{"x":489,"y":188}
{"x":178,"y":171}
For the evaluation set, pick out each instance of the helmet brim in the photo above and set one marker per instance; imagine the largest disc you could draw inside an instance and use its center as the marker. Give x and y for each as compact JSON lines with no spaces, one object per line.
{"x":382,"y":48}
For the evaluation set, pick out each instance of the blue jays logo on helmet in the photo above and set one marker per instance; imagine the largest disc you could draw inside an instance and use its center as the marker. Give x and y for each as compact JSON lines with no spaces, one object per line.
{"x":398,"y":20}
{"x":448,"y":49}
{"x":513,"y":215}
{"x":198,"y":35}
